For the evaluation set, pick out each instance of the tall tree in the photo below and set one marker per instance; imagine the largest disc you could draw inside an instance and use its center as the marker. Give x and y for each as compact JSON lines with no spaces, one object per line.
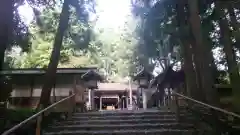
{"x":233,"y":69}
{"x":52,"y":66}
{"x":6,"y":27}
{"x":200,"y":51}
{"x":57,"y":45}
{"x":184,"y":32}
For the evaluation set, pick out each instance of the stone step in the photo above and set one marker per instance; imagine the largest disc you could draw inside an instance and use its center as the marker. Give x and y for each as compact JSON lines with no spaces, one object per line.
{"x":127,"y":112}
{"x":120,"y":126}
{"x":144,"y":116}
{"x":121,"y":121}
{"x":127,"y":132}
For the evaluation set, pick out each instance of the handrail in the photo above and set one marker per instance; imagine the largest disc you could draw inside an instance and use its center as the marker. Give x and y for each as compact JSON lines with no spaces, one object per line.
{"x":207,"y":105}
{"x":36,"y":115}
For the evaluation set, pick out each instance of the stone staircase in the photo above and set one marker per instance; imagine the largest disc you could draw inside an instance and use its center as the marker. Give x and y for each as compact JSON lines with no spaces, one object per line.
{"x":138,"y":122}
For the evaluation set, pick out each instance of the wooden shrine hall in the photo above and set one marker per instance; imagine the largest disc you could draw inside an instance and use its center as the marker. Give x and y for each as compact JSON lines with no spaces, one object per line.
{"x":27,"y":88}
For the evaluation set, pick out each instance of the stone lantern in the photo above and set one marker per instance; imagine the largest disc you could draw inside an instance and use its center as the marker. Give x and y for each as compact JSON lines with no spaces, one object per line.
{"x":143,"y":78}
{"x":91,"y":79}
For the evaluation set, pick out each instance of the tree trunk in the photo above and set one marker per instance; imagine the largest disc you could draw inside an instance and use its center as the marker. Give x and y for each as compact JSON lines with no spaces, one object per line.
{"x":190,"y":73}
{"x":201,"y":96}
{"x":209,"y":47}
{"x":50,"y":76}
{"x":230,"y":54}
{"x":6,"y":29}
{"x":31,"y":90}
{"x":201,"y":54}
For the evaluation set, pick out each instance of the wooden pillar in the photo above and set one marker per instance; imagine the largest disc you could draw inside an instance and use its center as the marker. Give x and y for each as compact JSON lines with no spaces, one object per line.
{"x":54,"y":92}
{"x":31,"y":89}
{"x":139,"y":92}
{"x":71,"y":105}
{"x":123,"y":102}
{"x":127,"y":103}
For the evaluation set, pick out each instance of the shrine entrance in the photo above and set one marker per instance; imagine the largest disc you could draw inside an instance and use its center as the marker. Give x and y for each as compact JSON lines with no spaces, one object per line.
{"x":109,"y":103}
{"x":111,"y":96}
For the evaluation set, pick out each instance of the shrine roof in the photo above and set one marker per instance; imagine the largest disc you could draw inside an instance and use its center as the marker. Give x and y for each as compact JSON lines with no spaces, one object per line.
{"x":91,"y":74}
{"x":35,"y":71}
{"x":143,"y":73}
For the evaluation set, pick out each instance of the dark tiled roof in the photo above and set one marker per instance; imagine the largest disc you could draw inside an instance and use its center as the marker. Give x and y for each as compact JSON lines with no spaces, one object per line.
{"x":30,"y":71}
{"x":115,"y":86}
{"x":143,"y":73}
{"x":168,"y":76}
{"x":157,"y":79}
{"x":92,"y":74}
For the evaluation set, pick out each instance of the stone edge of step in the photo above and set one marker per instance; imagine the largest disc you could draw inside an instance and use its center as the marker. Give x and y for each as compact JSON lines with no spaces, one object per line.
{"x":120,"y":131}
{"x":123,"y":125}
{"x":124,"y":113}
{"x":131,"y":121}
{"x":133,"y":116}
{"x":116,"y":120}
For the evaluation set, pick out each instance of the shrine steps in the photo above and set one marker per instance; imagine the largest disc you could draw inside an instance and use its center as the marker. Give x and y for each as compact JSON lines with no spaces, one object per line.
{"x":124,"y":122}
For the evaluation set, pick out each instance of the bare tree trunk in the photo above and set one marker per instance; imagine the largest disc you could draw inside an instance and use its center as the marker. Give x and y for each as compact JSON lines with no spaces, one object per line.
{"x":50,"y":76}
{"x":201,"y":54}
{"x":230,"y":53}
{"x":209,"y":46}
{"x":6,"y":22}
{"x":190,"y":73}
{"x":191,"y":78}
{"x":197,"y":70}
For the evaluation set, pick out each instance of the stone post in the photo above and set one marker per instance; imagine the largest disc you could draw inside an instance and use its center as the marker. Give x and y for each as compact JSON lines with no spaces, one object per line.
{"x":91,"y":98}
{"x":100,"y":106}
{"x":145,"y":98}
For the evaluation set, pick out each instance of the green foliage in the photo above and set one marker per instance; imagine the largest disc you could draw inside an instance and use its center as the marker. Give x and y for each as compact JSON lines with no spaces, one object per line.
{"x":20,"y":113}
{"x":84,"y":45}
{"x":43,"y":37}
{"x":115,"y":53}
{"x":20,"y":34}
{"x":15,"y":116}
{"x":152,"y":33}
